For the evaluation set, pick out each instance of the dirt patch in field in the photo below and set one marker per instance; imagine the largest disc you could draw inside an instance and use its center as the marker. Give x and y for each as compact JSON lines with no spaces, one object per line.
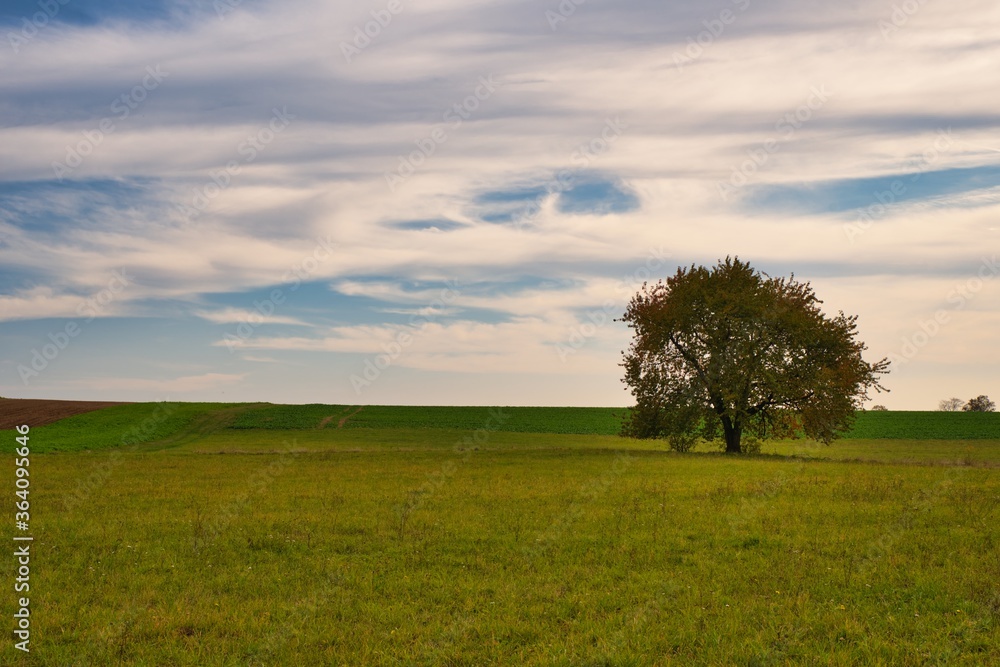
{"x":40,"y":411}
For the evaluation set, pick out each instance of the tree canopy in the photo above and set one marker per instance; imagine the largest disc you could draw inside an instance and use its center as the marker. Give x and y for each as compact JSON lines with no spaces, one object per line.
{"x":981,"y":403}
{"x":728,"y":352}
{"x":951,"y":405}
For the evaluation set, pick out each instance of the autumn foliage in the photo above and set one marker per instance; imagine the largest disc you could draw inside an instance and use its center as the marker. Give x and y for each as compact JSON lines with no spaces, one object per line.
{"x":732,"y":355}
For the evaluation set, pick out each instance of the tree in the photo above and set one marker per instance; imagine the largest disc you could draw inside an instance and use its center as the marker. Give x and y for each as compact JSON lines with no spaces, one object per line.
{"x":980,"y":404}
{"x":879,"y":408}
{"x":951,"y":405}
{"x":732,"y":351}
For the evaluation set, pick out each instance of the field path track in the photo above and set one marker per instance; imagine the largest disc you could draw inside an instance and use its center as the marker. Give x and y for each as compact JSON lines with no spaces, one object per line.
{"x":200,"y":427}
{"x":343,"y":420}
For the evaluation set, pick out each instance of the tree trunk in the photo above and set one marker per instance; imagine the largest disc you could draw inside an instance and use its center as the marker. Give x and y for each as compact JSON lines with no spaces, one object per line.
{"x":733,"y":433}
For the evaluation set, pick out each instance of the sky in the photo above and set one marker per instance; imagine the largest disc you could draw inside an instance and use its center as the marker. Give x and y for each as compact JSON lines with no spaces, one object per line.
{"x":445,"y":202}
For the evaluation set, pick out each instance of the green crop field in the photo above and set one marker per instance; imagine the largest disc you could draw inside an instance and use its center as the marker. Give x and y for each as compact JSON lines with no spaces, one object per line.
{"x":258,"y":534}
{"x":161,"y":423}
{"x":927,"y":425}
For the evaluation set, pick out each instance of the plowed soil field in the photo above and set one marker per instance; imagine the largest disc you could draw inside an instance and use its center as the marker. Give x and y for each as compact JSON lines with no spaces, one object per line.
{"x":39,"y":412}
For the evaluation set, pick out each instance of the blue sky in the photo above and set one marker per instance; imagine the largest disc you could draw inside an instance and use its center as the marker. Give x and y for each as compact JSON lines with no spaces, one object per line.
{"x":253,"y":200}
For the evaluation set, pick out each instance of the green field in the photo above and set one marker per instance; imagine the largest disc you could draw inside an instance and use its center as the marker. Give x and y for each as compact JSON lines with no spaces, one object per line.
{"x":201,"y":534}
{"x":139,"y":423}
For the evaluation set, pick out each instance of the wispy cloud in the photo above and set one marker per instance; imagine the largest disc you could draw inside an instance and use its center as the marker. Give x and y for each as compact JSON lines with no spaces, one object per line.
{"x":236,"y":315}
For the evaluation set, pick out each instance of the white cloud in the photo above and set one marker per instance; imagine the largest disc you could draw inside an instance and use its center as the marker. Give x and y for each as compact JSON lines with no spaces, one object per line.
{"x":237,"y":315}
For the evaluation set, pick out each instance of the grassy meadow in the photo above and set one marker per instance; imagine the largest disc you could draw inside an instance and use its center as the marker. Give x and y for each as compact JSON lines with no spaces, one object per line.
{"x":208,"y":534}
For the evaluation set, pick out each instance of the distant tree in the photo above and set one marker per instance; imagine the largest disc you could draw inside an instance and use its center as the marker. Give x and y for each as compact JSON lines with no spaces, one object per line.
{"x":951,"y":405}
{"x":980,"y":404}
{"x":729,"y":352}
{"x":879,"y":408}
